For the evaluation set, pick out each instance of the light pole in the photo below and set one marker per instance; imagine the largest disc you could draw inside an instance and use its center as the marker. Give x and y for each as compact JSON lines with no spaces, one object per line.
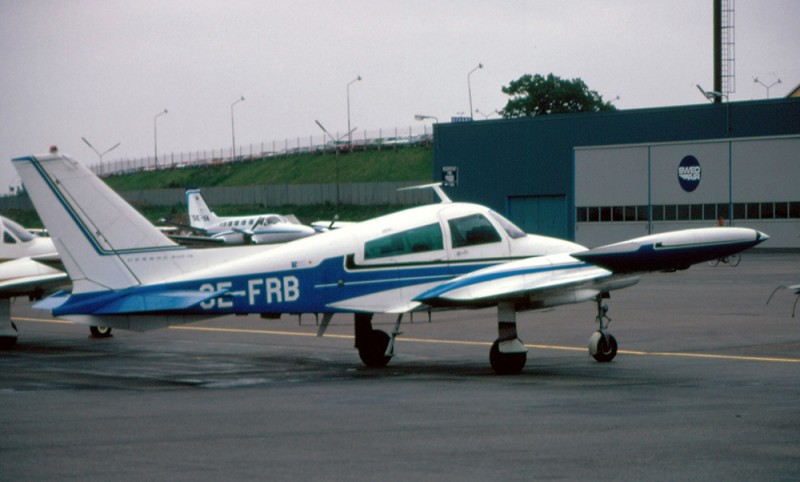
{"x":103,"y":154}
{"x":350,"y":135}
{"x":155,"y":134}
{"x":717,"y":97}
{"x":469,"y":88}
{"x":421,"y":117}
{"x":485,"y":115}
{"x":233,"y":130}
{"x":755,"y":80}
{"x":336,"y":146}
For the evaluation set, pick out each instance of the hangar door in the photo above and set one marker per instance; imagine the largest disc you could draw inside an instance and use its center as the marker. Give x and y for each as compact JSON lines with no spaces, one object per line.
{"x":544,"y":215}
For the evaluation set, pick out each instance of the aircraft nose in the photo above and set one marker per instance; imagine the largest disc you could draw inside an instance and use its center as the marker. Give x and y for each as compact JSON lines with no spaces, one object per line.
{"x":761,"y":237}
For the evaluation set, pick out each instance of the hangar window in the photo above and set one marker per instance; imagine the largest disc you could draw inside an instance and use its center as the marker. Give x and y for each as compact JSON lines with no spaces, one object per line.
{"x":781,"y":210}
{"x":689,"y":212}
{"x":658,"y":213}
{"x":472,"y":230}
{"x":683,"y":212}
{"x":641,"y":213}
{"x":582,"y":215}
{"x":767,"y":210}
{"x":753,"y":210}
{"x":417,"y":240}
{"x":794,"y":210}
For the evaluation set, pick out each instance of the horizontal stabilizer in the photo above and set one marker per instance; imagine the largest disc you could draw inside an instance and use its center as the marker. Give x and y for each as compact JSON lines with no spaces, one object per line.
{"x":673,"y":250}
{"x":134,"y":301}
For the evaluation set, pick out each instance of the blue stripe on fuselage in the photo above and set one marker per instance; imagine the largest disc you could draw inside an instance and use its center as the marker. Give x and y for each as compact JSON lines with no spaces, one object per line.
{"x":298,"y":290}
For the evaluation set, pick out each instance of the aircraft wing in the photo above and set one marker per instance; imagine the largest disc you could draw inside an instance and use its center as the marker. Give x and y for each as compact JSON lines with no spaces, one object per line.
{"x":673,"y":250}
{"x":196,"y":240}
{"x":533,"y":282}
{"x":27,"y":277}
{"x":569,"y":278}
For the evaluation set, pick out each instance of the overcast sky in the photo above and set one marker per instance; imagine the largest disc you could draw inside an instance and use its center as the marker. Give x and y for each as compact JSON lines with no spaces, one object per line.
{"x":104,"y":69}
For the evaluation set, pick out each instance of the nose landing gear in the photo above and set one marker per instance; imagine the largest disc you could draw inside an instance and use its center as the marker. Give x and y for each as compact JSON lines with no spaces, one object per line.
{"x":602,"y":344}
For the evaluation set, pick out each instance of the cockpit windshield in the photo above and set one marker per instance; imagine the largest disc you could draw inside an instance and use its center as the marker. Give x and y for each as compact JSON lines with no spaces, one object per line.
{"x":511,"y":229}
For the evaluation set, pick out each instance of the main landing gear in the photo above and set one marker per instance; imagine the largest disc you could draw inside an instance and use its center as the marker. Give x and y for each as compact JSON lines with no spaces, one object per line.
{"x":508,"y":354}
{"x":375,"y":347}
{"x":602,"y":344}
{"x":8,"y":330}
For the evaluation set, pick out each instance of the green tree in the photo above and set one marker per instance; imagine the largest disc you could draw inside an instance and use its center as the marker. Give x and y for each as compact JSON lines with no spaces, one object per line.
{"x":537,"y":95}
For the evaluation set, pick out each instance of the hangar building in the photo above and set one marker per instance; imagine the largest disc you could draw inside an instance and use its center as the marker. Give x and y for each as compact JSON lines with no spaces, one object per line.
{"x":598,"y":178}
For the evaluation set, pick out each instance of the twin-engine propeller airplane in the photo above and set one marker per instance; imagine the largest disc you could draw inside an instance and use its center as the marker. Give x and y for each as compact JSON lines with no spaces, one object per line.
{"x":126,"y":274}
{"x":252,"y":229}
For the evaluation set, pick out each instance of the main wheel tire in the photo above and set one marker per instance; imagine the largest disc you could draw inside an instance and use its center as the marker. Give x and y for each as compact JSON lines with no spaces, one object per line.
{"x":100,"y":331}
{"x":373,"y":351}
{"x":8,"y":342}
{"x":603,"y":347}
{"x":506,"y":363}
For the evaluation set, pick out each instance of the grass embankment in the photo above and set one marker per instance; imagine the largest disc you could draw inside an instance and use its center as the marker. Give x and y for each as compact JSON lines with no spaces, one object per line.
{"x":405,"y":164}
{"x":390,"y":165}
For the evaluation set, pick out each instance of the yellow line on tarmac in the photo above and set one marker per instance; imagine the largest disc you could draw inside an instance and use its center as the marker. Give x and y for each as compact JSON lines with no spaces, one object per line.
{"x":455,"y":342}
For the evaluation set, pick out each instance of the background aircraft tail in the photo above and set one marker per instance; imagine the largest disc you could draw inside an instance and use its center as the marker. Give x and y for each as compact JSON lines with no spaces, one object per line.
{"x":96,"y":232}
{"x":200,"y":216}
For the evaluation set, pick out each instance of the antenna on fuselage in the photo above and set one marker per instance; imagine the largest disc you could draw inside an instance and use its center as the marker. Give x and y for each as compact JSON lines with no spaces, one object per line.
{"x":437,"y":188}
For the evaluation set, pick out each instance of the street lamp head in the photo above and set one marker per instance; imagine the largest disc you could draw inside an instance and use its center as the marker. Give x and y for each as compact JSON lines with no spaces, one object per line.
{"x":480,"y":65}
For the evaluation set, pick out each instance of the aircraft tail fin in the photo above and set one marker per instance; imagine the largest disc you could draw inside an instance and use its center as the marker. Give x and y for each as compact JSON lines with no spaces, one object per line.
{"x":200,"y":216}
{"x":95,"y":231}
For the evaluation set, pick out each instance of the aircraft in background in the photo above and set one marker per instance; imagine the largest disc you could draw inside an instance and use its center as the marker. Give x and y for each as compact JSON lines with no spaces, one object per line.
{"x":252,"y":229}
{"x":448,"y":255}
{"x":29,"y":266}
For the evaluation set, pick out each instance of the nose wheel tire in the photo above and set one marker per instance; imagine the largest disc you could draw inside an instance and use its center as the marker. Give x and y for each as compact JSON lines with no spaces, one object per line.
{"x":603,"y":346}
{"x":100,"y":331}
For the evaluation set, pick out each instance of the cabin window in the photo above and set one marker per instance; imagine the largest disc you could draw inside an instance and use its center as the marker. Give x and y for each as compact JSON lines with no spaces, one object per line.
{"x":472,"y":230}
{"x":8,"y":239}
{"x":417,"y":240}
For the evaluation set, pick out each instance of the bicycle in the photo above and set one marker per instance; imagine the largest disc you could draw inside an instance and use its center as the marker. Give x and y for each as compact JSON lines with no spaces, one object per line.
{"x":732,"y":260}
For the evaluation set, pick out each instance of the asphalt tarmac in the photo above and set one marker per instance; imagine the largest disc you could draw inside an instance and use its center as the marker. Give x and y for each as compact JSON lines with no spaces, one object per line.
{"x":706,"y":387}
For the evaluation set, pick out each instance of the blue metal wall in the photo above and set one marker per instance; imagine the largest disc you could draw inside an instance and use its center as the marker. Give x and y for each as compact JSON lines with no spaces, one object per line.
{"x":504,"y":158}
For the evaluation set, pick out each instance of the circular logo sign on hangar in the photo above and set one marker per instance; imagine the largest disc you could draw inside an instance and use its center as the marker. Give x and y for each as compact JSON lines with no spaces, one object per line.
{"x":689,"y":173}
